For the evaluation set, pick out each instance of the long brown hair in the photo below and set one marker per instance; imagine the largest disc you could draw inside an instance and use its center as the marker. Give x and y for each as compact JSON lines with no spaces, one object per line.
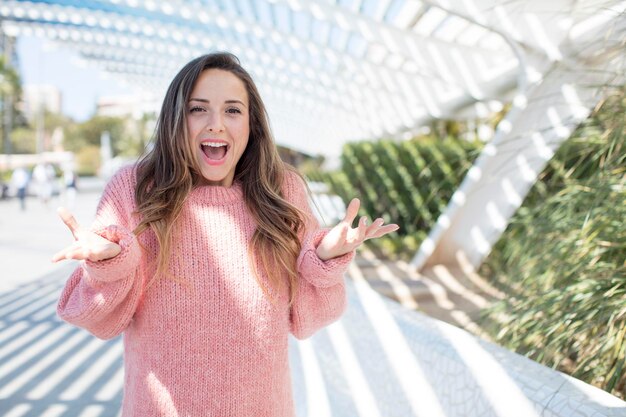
{"x":168,"y":172}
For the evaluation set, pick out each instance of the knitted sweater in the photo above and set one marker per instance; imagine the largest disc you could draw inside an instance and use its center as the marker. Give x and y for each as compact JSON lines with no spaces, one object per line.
{"x":209,"y":343}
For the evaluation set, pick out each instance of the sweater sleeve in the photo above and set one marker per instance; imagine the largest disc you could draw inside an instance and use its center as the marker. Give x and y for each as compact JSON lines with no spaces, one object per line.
{"x":102,"y":296}
{"x":321,"y":294}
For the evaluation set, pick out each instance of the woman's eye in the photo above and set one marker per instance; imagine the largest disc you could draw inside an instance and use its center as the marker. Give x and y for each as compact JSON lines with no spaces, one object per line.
{"x":195,"y":109}
{"x":233,"y":110}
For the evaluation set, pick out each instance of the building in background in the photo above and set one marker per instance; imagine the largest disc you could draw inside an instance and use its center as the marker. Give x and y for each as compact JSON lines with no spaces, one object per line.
{"x":40,"y":98}
{"x":129,"y":105}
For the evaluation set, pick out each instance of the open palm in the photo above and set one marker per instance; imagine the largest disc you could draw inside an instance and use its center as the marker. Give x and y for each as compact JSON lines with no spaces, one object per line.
{"x":343,"y":238}
{"x":87,"y":244}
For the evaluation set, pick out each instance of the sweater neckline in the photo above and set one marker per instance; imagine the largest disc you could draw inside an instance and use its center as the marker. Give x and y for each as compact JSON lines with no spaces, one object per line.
{"x":217,"y":194}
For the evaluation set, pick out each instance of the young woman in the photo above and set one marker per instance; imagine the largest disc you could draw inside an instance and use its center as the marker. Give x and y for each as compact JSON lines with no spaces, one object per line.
{"x":206,"y":255}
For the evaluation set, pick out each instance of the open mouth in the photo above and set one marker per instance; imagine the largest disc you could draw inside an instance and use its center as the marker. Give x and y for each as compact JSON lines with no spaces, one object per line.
{"x":214,"y":151}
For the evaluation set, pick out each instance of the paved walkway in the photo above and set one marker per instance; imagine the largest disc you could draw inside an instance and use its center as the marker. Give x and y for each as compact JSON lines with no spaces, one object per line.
{"x":29,"y":238}
{"x":50,"y":369}
{"x":453,"y":294}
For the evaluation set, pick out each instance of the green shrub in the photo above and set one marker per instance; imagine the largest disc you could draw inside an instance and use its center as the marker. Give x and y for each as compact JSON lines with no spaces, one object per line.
{"x":408,"y":183}
{"x":562,"y":258}
{"x":88,"y":160}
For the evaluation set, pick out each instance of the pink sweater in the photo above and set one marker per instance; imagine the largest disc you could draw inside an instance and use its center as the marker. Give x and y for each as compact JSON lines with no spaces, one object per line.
{"x":212,"y":345}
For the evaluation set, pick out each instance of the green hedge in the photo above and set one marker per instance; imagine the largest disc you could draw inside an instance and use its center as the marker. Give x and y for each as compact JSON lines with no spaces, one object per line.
{"x":562,"y":259}
{"x":408,"y":183}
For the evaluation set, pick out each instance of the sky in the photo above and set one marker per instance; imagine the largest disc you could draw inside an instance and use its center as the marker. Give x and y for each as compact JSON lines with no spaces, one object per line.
{"x":41,"y":62}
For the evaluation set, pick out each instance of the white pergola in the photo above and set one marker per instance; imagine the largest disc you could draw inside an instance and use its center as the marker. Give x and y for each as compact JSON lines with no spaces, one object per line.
{"x":330,"y":71}
{"x":333,"y":71}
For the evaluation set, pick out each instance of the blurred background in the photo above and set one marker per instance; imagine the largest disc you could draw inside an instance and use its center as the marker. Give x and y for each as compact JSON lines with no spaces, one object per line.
{"x":491,"y":131}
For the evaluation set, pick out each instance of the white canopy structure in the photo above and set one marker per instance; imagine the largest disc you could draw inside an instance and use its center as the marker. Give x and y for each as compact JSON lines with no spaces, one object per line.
{"x":333,"y":71}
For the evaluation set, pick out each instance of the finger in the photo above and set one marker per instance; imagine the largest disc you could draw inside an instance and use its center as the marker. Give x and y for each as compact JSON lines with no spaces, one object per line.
{"x":374,"y":226}
{"x":362,"y":230}
{"x":60,"y":255}
{"x":71,"y":252}
{"x":352,"y":211}
{"x":343,"y":235}
{"x":69,"y":220}
{"x":382,"y":231}
{"x":78,"y":254}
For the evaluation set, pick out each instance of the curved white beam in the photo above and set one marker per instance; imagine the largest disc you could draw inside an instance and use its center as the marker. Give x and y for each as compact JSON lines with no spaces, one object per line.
{"x":541,"y":119}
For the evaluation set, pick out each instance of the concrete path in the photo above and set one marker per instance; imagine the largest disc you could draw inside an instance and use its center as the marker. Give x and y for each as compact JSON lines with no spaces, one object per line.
{"x":48,"y":368}
{"x":453,"y":294}
{"x":29,"y":238}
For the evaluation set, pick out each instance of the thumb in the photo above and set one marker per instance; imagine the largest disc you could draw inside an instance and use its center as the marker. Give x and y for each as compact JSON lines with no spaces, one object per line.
{"x":69,"y":220}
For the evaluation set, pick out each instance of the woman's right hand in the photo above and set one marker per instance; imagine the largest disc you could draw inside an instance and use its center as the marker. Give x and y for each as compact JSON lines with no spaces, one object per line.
{"x":87,"y":244}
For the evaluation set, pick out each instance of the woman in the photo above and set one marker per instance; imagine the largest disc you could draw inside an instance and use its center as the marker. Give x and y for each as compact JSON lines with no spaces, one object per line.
{"x":206,"y":256}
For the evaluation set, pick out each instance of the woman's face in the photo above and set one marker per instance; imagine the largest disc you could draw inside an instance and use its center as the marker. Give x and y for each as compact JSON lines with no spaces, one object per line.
{"x":218,"y":123}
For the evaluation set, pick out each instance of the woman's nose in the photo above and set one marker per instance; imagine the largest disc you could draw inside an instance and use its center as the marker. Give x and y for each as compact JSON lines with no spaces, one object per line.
{"x":214,"y":122}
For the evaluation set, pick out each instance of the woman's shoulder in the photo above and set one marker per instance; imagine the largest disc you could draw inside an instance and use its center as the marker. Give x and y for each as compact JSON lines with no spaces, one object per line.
{"x":127,"y":172}
{"x":295,"y":189}
{"x":292,"y":177}
{"x":123,"y":181}
{"x":293,"y":182}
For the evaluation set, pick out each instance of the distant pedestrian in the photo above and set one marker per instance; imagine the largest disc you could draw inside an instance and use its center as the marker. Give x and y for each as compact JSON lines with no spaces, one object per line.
{"x":43,"y":175}
{"x":19,"y":180}
{"x":70,"y":182}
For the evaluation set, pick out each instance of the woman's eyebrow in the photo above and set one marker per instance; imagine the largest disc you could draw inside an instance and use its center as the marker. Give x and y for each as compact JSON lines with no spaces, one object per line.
{"x":235,"y":101}
{"x":202,"y":100}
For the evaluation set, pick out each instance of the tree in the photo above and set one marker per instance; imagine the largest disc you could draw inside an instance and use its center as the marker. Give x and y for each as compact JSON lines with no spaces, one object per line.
{"x":10,"y":93}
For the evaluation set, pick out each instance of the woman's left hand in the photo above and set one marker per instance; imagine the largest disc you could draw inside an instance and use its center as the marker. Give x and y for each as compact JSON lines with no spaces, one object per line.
{"x":343,"y":238}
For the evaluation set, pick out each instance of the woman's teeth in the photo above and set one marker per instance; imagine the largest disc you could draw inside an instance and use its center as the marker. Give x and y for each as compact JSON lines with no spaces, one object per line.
{"x":214,"y":150}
